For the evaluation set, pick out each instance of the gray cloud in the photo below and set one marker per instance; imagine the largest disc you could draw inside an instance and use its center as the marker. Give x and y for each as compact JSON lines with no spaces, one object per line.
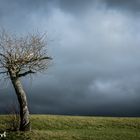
{"x":133,"y":6}
{"x":80,"y":6}
{"x":95,"y":46}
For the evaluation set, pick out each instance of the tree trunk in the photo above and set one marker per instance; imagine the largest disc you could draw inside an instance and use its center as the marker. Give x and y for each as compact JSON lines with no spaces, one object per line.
{"x":24,"y":112}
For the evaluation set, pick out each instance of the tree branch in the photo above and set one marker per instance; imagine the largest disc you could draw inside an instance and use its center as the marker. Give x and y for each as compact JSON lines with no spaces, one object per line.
{"x":42,"y":58}
{"x":23,"y":55}
{"x":3,"y":72}
{"x":47,"y":57}
{"x":3,"y":55}
{"x":25,"y":73}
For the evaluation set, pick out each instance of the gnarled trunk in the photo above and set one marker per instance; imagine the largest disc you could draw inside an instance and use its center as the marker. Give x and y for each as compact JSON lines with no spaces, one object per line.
{"x":24,"y":112}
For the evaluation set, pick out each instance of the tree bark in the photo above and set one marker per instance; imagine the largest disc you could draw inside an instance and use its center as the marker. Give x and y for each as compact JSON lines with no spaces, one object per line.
{"x":24,"y":112}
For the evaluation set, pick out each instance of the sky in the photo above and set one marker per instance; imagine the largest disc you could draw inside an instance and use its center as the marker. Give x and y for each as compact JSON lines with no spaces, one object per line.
{"x":95,"y":46}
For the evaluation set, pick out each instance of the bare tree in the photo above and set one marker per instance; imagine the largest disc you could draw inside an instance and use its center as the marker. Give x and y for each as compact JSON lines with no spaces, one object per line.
{"x":19,"y":57}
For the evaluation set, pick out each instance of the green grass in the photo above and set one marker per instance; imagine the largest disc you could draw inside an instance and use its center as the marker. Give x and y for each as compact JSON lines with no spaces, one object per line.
{"x":53,"y":127}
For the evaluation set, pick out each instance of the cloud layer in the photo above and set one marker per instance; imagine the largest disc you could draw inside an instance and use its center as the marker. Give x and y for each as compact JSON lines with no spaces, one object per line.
{"x":95,"y":46}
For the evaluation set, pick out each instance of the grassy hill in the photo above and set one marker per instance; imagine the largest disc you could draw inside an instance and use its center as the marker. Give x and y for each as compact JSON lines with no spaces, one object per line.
{"x":53,"y":127}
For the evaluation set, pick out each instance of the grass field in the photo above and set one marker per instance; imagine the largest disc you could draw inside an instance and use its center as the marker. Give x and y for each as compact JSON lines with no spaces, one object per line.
{"x":53,"y":127}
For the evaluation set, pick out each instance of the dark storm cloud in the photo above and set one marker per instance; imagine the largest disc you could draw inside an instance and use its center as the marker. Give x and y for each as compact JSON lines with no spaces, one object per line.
{"x":70,"y":5}
{"x":81,"y":101}
{"x":76,"y":6}
{"x":80,"y":5}
{"x":16,"y":15}
{"x":130,"y":5}
{"x":95,"y":50}
{"x":21,"y":11}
